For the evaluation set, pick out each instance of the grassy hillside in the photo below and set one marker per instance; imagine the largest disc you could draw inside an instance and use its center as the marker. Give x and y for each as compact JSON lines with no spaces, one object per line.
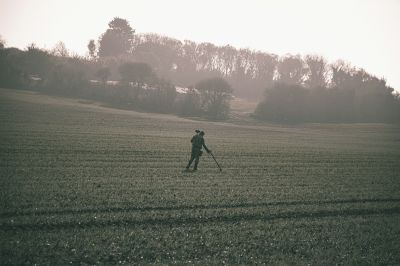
{"x":82,"y":183}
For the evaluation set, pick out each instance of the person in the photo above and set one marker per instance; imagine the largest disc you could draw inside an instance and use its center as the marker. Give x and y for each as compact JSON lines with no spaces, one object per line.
{"x":197,"y":144}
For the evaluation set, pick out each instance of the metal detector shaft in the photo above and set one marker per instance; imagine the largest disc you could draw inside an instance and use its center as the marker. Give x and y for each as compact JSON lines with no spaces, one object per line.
{"x":220,"y":169}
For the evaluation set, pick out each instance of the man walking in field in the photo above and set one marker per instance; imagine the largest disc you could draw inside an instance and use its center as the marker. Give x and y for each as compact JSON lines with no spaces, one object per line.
{"x":197,"y":143}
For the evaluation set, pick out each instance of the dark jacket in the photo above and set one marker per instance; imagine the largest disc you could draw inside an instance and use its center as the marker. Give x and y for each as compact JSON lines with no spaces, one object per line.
{"x":198,"y":142}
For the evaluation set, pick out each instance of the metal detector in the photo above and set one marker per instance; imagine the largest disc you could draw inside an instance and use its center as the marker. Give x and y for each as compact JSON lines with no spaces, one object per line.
{"x":212,"y":155}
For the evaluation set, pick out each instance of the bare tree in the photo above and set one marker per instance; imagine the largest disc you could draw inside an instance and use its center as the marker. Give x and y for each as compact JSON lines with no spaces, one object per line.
{"x":341,"y":73}
{"x":291,"y":70}
{"x":317,"y":70}
{"x":60,"y":50}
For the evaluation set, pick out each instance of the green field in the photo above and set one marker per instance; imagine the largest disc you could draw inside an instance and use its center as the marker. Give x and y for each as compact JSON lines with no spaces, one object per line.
{"x":87,"y":184}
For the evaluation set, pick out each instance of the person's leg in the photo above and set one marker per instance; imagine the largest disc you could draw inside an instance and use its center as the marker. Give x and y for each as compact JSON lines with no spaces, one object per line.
{"x":196,"y":163}
{"x":192,"y":157}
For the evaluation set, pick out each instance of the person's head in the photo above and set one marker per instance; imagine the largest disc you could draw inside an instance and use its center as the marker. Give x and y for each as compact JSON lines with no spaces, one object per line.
{"x":201,"y":133}
{"x":197,"y":131}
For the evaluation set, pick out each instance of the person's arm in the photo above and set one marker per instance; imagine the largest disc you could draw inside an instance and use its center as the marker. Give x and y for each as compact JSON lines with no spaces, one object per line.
{"x":205,"y":147}
{"x":192,"y":139}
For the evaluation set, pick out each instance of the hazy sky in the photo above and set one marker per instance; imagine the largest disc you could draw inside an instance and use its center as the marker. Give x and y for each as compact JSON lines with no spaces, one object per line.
{"x":364,"y":32}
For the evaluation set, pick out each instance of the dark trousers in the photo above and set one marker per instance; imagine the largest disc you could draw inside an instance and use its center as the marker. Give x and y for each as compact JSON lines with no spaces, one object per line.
{"x":194,"y":157}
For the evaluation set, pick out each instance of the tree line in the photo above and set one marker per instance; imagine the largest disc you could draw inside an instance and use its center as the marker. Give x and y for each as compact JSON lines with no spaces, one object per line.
{"x":114,"y":78}
{"x":330,"y":93}
{"x":292,"y":88}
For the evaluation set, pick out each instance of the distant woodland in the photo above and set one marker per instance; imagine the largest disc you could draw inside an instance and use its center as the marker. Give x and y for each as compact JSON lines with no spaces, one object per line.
{"x":143,"y":72}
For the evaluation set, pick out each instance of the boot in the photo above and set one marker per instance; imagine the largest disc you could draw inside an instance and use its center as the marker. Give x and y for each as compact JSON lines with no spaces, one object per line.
{"x":188,"y":166}
{"x":195,"y":165}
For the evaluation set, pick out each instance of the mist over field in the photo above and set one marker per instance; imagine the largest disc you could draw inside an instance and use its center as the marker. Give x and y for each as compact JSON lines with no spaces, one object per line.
{"x":156,"y":73}
{"x":149,"y":149}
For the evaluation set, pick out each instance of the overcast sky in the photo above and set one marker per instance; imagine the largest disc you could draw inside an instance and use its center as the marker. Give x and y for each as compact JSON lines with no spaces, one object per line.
{"x":365,"y":33}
